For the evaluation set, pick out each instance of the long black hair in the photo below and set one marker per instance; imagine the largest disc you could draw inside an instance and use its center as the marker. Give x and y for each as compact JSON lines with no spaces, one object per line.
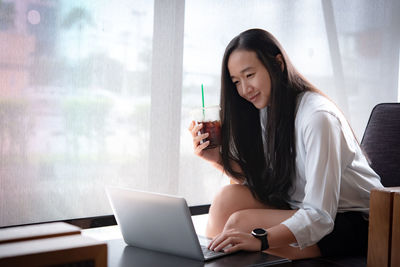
{"x":269,"y":175}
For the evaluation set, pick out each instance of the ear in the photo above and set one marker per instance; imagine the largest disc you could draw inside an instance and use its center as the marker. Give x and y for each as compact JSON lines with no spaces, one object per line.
{"x":279,"y":58}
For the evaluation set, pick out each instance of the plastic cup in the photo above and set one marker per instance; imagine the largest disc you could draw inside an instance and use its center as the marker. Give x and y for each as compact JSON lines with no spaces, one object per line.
{"x":209,"y":117}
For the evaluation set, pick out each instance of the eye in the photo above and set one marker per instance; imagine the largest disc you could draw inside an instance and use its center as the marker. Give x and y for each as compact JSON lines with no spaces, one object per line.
{"x":236,"y":83}
{"x":250,"y":75}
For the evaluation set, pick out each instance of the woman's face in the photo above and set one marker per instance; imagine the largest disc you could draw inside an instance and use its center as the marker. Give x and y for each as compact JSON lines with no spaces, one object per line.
{"x":250,"y":77}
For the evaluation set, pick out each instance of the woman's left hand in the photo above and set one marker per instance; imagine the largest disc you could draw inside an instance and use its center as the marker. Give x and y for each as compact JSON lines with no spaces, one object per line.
{"x":234,"y":240}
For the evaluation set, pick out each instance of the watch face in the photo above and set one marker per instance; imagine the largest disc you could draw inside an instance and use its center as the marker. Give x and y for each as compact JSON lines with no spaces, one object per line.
{"x":259,"y":231}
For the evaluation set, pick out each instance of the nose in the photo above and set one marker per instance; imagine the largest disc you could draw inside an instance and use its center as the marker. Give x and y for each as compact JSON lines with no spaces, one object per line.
{"x":246,"y":88}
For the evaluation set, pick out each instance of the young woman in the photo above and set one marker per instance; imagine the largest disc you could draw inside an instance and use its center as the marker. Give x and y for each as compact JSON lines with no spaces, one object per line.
{"x":303,"y":182}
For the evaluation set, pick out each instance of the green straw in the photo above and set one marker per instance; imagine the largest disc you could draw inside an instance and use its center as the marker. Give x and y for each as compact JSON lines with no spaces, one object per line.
{"x":202,"y":99}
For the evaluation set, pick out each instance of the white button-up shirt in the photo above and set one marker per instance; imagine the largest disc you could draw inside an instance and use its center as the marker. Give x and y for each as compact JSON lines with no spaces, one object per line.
{"x":332,"y":173}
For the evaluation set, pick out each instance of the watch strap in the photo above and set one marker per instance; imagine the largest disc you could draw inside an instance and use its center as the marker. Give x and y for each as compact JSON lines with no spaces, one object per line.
{"x":264,"y":242}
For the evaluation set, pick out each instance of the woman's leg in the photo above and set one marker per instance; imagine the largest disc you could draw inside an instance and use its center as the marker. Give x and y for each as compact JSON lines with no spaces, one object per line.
{"x":229,"y":200}
{"x":234,"y":207}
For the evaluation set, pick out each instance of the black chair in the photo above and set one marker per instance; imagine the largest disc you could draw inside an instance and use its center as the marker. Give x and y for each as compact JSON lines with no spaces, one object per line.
{"x":381,"y":142}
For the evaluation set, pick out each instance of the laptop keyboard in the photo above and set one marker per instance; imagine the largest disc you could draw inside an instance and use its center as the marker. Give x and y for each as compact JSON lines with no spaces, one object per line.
{"x":210,"y":253}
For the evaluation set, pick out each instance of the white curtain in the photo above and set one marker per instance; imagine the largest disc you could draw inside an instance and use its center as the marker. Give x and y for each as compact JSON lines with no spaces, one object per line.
{"x":94,"y":93}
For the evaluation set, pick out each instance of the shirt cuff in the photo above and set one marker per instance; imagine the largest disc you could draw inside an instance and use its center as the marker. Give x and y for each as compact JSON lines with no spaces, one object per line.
{"x":308,"y":227}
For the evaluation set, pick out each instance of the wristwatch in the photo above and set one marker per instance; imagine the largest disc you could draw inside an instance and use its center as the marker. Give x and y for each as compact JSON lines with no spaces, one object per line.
{"x":261,"y":234}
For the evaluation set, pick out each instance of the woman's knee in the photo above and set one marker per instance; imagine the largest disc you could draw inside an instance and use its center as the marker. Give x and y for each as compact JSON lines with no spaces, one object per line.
{"x":230,"y":192}
{"x":228,"y":198}
{"x":223,"y":205}
{"x":237,"y":220}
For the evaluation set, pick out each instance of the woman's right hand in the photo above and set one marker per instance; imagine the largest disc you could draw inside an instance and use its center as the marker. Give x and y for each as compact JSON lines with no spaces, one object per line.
{"x":213,"y":155}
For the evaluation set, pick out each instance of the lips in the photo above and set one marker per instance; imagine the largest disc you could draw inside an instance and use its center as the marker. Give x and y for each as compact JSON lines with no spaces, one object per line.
{"x":253,"y":97}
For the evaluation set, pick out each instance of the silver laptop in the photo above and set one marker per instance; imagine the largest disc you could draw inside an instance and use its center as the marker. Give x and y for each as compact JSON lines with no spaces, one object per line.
{"x":158,"y":222}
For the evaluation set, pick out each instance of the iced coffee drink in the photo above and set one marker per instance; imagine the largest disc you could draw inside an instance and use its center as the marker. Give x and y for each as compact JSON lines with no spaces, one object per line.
{"x":209,"y":117}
